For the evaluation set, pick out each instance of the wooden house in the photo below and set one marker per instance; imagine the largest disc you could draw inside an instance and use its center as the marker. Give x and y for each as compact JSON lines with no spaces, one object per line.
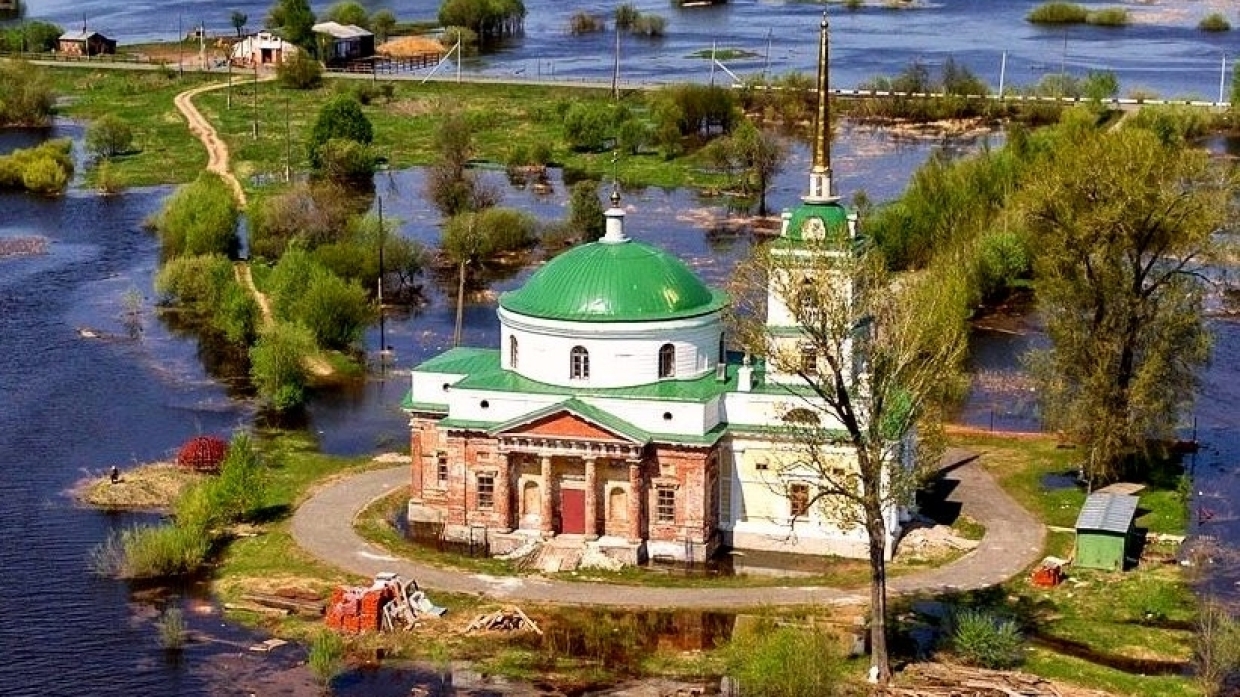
{"x":85,"y":43}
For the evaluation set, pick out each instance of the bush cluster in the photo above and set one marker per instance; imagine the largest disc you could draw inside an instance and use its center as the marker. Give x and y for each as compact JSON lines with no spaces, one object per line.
{"x":199,"y":218}
{"x":982,"y":639}
{"x":28,"y":97}
{"x":43,"y":169}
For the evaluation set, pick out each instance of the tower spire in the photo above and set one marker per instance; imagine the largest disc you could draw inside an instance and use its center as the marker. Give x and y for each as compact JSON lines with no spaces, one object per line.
{"x":821,"y":186}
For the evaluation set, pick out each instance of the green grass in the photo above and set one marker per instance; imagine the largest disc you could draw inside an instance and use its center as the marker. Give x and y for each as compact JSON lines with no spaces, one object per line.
{"x":166,"y":151}
{"x":505,"y":116}
{"x":1141,"y":614}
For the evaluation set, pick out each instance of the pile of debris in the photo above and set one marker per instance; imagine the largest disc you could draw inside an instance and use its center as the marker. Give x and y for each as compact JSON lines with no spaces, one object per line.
{"x":387,"y":604}
{"x":940,"y":680}
{"x":508,"y":619}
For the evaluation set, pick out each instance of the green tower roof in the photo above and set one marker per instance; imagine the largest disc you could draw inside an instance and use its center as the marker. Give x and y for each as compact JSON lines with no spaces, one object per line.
{"x":831,"y":214}
{"x":614,"y":282}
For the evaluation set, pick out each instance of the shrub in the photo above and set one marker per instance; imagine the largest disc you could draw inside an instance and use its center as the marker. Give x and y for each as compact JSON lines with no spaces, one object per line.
{"x":1216,"y":647}
{"x":31,"y":36}
{"x":1058,"y":13}
{"x":1002,"y":259}
{"x":335,"y":311}
{"x":649,"y":25}
{"x":198,"y":282}
{"x":344,"y":160}
{"x":1109,"y":17}
{"x":107,"y":181}
{"x":44,"y":169}
{"x":587,"y":126}
{"x":585,"y":211}
{"x":467,"y":38}
{"x":326,"y":657}
{"x":199,"y":218}
{"x":626,"y":14}
{"x":340,"y":117}
{"x":773,"y":661}
{"x":160,"y":551}
{"x":171,"y":626}
{"x":276,"y":365}
{"x":108,"y":136}
{"x":489,"y":233}
{"x":1214,"y":22}
{"x":582,"y":22}
{"x":44,"y":175}
{"x":237,"y":315}
{"x":982,"y":639}
{"x":239,"y":493}
{"x":202,"y":454}
{"x":300,"y":73}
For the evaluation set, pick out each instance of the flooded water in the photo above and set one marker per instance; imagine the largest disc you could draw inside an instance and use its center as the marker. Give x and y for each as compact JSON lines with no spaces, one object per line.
{"x":1162,"y":50}
{"x":72,"y":406}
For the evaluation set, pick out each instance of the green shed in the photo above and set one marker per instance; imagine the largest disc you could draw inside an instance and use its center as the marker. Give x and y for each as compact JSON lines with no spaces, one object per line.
{"x":1104,"y":531}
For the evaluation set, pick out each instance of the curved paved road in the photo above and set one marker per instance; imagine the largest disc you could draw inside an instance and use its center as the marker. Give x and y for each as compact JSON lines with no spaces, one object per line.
{"x":323,"y":526}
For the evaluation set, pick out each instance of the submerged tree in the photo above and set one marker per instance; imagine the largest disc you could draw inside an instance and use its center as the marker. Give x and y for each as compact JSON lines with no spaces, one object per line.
{"x":866,"y":363}
{"x":1123,"y":224}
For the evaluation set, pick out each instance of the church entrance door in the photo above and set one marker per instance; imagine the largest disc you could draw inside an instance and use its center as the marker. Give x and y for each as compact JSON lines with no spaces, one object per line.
{"x":572,"y":511}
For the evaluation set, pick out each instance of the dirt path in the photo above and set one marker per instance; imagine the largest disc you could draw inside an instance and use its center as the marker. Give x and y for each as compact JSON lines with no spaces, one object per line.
{"x":323,"y":526}
{"x":217,"y":150}
{"x":217,"y":162}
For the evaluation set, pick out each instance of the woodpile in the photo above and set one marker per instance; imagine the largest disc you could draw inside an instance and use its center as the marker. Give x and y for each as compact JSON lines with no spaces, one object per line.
{"x":940,"y":680}
{"x":509,"y":619}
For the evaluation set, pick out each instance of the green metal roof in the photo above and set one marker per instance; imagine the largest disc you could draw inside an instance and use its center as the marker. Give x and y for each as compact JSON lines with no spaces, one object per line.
{"x":594,"y":415}
{"x":485,"y":373}
{"x":614,"y":282}
{"x":832,"y":215}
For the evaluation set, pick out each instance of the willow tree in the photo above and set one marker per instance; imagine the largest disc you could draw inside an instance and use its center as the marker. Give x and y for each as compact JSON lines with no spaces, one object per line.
{"x":866,"y":361}
{"x":1123,"y":224}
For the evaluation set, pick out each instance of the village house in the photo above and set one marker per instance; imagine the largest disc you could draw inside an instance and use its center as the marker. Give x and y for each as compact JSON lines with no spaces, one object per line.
{"x":85,"y":43}
{"x":262,"y":48}
{"x":612,"y":416}
{"x":341,"y":44}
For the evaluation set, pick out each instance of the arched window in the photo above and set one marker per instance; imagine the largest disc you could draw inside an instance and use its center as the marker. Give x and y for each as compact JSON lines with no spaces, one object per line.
{"x":807,"y":297}
{"x":809,"y":360}
{"x":618,"y":505}
{"x":512,"y":352}
{"x":579,"y":363}
{"x":667,"y":361}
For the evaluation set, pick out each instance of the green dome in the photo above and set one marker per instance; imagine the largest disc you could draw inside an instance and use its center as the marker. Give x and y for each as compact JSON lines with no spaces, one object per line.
{"x":832,"y":216}
{"x":614,"y":282}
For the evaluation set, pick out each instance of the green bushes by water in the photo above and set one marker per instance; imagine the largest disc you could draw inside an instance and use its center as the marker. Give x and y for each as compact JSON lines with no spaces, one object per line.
{"x":984,"y":639}
{"x":326,"y":658}
{"x":200,"y":518}
{"x":28,"y":97}
{"x":783,"y":661}
{"x":43,"y":169}
{"x":207,"y":285}
{"x":276,"y":364}
{"x":1214,"y":22}
{"x":199,"y":218}
{"x":1071,"y":13}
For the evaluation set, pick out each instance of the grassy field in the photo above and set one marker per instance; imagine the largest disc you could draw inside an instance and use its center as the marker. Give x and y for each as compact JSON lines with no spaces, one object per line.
{"x":1098,"y":629}
{"x":504,"y":117}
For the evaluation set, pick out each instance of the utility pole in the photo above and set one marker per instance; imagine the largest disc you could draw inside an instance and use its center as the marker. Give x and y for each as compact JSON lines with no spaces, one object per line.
{"x":255,"y":100}
{"x":180,"y":48}
{"x":1002,"y":73}
{"x":383,"y":347}
{"x":615,"y":73}
{"x":288,"y":149}
{"x":202,"y":45}
{"x":228,"y":102}
{"x":1222,"y":78}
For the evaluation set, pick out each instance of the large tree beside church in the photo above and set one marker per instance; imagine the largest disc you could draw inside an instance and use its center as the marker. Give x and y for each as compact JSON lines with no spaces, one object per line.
{"x":886,"y":353}
{"x":1124,"y":224}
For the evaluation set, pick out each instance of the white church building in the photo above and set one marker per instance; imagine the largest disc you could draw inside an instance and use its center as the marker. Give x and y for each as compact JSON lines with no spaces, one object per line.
{"x":612,"y":413}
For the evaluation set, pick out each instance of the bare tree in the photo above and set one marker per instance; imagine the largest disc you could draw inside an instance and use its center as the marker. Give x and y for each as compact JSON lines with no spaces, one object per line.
{"x":865,"y":365}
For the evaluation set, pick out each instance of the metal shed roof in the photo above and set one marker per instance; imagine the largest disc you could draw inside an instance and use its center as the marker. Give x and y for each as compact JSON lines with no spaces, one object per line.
{"x":340,"y":31}
{"x":1107,"y":512}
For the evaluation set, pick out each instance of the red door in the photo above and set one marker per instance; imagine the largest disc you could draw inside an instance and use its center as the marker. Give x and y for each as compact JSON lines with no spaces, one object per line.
{"x":572,"y":511}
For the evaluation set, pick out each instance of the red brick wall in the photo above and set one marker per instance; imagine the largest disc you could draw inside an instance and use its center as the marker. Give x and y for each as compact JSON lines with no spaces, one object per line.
{"x":686,"y":469}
